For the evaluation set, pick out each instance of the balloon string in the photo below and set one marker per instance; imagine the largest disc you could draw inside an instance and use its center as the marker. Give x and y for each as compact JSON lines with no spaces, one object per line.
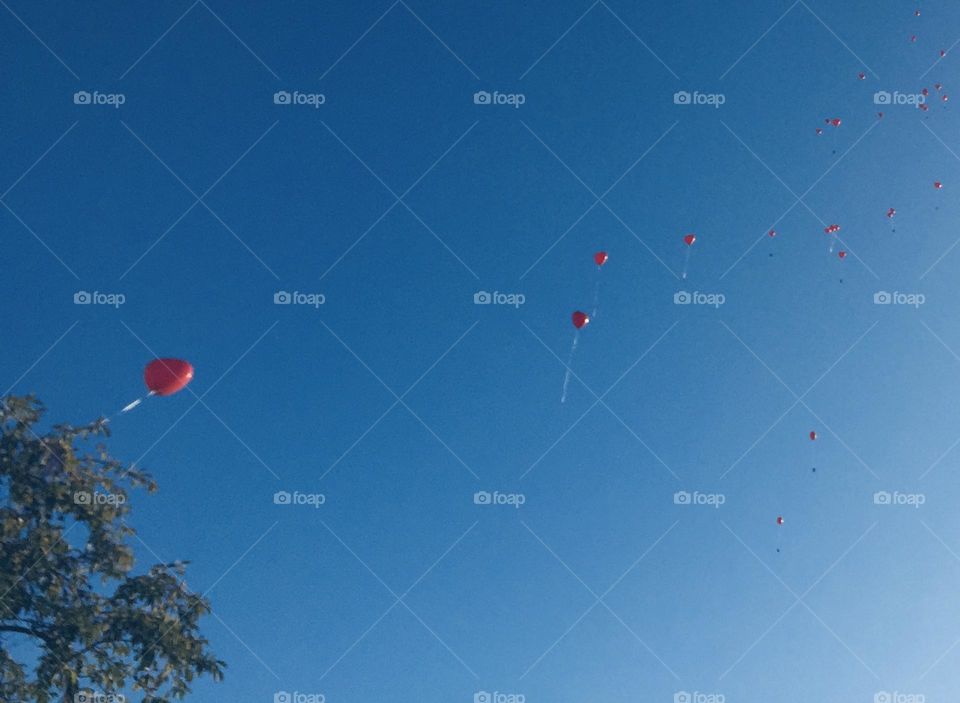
{"x":566,"y":377}
{"x":596,"y":299}
{"x":686,"y":264}
{"x":130,"y":406}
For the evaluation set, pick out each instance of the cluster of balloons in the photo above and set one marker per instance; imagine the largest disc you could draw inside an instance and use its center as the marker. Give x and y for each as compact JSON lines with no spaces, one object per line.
{"x":581,"y":319}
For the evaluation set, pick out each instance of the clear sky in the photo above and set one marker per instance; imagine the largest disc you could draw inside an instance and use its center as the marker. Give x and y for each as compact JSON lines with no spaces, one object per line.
{"x":398,"y":199}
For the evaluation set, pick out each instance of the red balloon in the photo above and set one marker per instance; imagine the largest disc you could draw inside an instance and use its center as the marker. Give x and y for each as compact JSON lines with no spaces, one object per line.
{"x":772,"y":233}
{"x":938,"y":185}
{"x":580,"y":319}
{"x":862,"y":76}
{"x":813,"y":435}
{"x":690,"y":239}
{"x":836,"y":121}
{"x":779,"y":519}
{"x":600,"y":258}
{"x":167,"y":376}
{"x":842,"y":254}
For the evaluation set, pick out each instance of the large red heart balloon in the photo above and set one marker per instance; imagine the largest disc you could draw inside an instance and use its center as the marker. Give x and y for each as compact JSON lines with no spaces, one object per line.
{"x":580,"y":319}
{"x":167,"y":376}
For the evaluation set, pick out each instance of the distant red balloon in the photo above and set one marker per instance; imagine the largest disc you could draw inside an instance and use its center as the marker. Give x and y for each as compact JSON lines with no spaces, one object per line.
{"x":690,"y":239}
{"x":879,"y":115}
{"x":167,"y":376}
{"x":942,"y":53}
{"x":580,"y":319}
{"x":813,"y":435}
{"x":836,"y":121}
{"x":772,"y":233}
{"x":819,"y":131}
{"x":925,"y":92}
{"x":923,"y":106}
{"x":938,"y":185}
{"x":945,"y":97}
{"x":862,"y":76}
{"x":842,"y":254}
{"x":779,"y":519}
{"x":600,"y":258}
{"x":891,"y":212}
{"x":938,"y":86}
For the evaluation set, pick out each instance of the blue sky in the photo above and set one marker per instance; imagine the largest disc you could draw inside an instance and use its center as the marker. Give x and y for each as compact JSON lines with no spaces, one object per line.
{"x":398,"y":398}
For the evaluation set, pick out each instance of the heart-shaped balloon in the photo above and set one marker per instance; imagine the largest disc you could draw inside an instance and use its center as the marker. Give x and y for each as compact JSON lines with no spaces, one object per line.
{"x":167,"y":376}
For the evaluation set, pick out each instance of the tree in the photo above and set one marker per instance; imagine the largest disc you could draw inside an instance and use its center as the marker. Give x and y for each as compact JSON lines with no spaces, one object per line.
{"x":73,"y":617}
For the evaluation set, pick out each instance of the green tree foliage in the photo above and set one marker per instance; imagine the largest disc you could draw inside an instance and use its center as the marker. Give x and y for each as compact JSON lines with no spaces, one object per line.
{"x":73,"y":616}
